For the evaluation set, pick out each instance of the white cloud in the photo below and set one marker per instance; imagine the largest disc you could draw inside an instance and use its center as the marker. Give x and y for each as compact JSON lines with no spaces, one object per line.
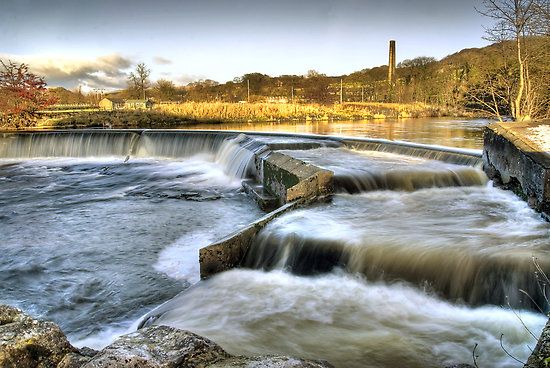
{"x":189,"y":78}
{"x":159,"y":60}
{"x":106,"y":72}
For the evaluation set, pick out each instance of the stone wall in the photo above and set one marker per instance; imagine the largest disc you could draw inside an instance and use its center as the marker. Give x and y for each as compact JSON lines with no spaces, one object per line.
{"x":513,"y":161}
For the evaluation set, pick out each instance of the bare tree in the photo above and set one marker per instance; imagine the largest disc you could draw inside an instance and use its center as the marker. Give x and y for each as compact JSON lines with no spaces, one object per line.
{"x":516,"y":20}
{"x":139,"y":80}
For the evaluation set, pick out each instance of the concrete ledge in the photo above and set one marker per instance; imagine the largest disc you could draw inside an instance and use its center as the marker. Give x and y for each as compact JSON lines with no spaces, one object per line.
{"x":265,"y":201}
{"x":447,"y":154}
{"x":512,"y":160}
{"x":228,"y":252}
{"x":289,"y":179}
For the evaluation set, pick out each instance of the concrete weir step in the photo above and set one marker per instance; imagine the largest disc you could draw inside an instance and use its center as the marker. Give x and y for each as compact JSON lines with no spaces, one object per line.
{"x":265,"y":201}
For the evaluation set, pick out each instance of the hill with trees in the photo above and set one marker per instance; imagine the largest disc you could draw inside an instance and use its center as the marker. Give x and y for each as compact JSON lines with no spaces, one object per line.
{"x":481,"y":81}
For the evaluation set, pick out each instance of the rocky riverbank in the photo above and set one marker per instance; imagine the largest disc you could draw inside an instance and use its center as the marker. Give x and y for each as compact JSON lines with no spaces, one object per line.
{"x":26,"y":342}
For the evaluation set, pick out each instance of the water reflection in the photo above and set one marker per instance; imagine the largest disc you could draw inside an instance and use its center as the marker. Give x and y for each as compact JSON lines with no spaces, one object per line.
{"x":454,"y":132}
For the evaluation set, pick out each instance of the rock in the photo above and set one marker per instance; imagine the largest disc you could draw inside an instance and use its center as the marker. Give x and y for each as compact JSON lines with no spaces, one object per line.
{"x":167,"y":347}
{"x":269,"y":362}
{"x":73,"y":360}
{"x":159,"y":346}
{"x":540,"y":358}
{"x":25,"y":342}
{"x":462,"y":365}
{"x":29,"y":343}
{"x":88,"y":352}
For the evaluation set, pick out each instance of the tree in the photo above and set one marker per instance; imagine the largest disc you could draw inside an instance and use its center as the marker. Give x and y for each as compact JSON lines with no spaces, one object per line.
{"x":139,"y":81}
{"x":22,"y":93}
{"x":516,"y":20}
{"x":165,"y":90}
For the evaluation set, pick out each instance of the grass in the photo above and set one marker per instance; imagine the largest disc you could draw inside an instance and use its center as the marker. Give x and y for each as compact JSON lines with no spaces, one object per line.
{"x":251,"y":112}
{"x":178,"y":114}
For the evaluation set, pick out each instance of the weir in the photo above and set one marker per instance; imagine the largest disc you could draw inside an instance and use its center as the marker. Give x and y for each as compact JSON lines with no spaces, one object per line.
{"x":401,"y":226}
{"x":469,"y":257}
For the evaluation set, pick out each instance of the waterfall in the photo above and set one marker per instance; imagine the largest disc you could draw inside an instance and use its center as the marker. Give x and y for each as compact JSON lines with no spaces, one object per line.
{"x":237,"y":155}
{"x":474,"y":245}
{"x":355,"y":181}
{"x":166,"y":144}
{"x":68,"y":144}
{"x":358,"y":171}
{"x":234,"y":153}
{"x":449,"y":155}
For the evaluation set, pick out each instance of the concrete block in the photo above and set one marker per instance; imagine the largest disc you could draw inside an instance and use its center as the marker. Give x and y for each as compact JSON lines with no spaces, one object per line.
{"x":228,"y":252}
{"x":290,"y":179}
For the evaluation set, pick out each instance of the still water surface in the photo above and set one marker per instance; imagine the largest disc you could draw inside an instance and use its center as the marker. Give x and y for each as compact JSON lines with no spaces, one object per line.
{"x":453,"y":132}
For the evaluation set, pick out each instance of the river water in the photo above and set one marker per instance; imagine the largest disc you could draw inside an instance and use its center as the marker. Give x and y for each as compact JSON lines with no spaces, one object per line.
{"x":412,"y":263}
{"x":94,"y":243}
{"x":452,"y":132}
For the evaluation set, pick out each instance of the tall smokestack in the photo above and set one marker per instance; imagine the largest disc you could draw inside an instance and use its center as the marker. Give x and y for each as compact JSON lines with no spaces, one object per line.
{"x":391,"y":64}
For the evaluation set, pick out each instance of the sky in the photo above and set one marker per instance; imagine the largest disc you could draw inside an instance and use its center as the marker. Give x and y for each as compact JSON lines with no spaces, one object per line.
{"x":96,"y":43}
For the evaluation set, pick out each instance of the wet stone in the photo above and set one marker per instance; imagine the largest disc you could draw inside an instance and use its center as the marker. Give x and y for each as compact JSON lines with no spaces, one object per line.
{"x":25,"y":342}
{"x":269,"y":362}
{"x":159,"y":346}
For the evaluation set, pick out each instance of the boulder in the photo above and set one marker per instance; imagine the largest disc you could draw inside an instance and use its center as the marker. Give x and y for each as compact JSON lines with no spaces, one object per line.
{"x":26,"y":342}
{"x":168,"y":347}
{"x":156,"y":347}
{"x":269,"y":362}
{"x":73,"y":360}
{"x":540,"y":358}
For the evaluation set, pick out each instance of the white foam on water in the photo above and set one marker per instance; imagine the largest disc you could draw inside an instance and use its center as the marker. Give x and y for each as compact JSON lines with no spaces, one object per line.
{"x":348,"y":321}
{"x":104,"y":337}
{"x":181,"y":259}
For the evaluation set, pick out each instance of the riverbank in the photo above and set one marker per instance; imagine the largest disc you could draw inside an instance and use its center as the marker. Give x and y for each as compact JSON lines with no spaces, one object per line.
{"x":262,"y":112}
{"x":28,"y":342}
{"x":178,"y":114}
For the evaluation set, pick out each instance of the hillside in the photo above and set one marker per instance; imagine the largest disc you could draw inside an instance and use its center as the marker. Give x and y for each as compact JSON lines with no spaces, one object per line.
{"x":473,"y":79}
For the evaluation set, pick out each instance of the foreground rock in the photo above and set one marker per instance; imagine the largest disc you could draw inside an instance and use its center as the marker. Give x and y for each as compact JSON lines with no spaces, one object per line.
{"x":159,"y":346}
{"x":540,"y":358}
{"x":167,"y":347}
{"x":26,"y":342}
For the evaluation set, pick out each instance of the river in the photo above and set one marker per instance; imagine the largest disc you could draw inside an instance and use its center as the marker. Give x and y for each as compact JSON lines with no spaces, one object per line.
{"x":452,"y":132}
{"x":411,"y":263}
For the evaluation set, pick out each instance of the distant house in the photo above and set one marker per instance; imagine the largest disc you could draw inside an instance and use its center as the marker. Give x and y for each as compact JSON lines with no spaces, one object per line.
{"x":138,"y":104}
{"x":280,"y":100}
{"x":111,"y":104}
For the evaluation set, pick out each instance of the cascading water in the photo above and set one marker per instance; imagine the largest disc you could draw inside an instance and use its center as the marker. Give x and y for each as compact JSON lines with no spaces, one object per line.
{"x":110,"y":241}
{"x":471,"y":244}
{"x":67,"y":144}
{"x":455,"y":156}
{"x":237,"y":155}
{"x":113,"y":221}
{"x":346,"y":320}
{"x":437,"y":226}
{"x":361,"y":171}
{"x":234,"y":153}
